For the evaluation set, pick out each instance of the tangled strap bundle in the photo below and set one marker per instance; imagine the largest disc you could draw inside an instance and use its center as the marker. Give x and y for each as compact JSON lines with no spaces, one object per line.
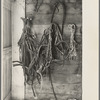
{"x":27,"y":50}
{"x":51,"y":41}
{"x":36,"y":57}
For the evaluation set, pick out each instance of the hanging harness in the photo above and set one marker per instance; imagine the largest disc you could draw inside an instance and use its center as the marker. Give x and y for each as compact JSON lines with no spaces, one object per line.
{"x":30,"y":60}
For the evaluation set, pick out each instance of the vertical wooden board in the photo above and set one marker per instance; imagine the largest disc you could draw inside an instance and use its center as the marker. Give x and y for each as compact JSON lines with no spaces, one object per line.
{"x":17,"y":72}
{"x":5,"y":71}
{"x":11,"y":72}
{"x":7,"y":27}
{"x":17,"y":86}
{"x":4,"y":27}
{"x":7,"y":39}
{"x":9,"y":75}
{"x":10,"y":33}
{"x":4,"y":82}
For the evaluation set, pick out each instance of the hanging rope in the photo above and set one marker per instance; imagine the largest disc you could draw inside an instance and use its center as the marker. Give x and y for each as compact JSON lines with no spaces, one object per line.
{"x":52,"y":84}
{"x":37,"y":6}
{"x":64,"y":13}
{"x":64,"y":9}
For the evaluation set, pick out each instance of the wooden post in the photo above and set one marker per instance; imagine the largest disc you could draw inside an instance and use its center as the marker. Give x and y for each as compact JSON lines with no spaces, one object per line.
{"x":25,"y":8}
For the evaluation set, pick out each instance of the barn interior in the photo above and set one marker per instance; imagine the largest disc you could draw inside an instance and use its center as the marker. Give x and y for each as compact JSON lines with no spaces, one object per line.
{"x":65,"y":72}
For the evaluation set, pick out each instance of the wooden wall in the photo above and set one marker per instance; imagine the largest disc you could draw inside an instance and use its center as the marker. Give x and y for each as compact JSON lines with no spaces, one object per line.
{"x":42,"y":18}
{"x":7,"y":50}
{"x":7,"y":37}
{"x":66,"y":82}
{"x":7,"y":73}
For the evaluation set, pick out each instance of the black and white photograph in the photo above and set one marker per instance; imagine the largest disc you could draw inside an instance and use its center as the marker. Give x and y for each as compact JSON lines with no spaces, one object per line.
{"x":42,"y":50}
